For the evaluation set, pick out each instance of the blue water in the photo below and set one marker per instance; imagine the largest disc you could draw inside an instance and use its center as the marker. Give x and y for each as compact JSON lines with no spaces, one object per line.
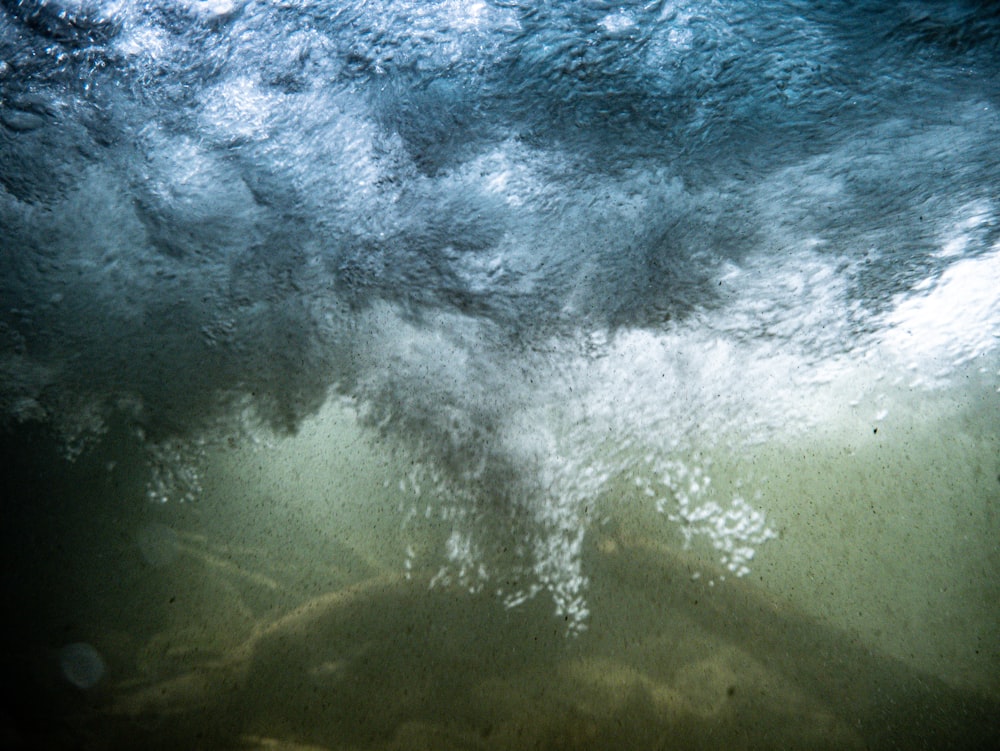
{"x":207,"y":200}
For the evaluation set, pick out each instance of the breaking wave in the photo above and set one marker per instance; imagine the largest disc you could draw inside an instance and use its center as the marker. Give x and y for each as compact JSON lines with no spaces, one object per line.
{"x":549,"y":250}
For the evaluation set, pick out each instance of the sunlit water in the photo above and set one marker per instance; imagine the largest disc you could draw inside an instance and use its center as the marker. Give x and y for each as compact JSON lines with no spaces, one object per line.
{"x":496,"y":375}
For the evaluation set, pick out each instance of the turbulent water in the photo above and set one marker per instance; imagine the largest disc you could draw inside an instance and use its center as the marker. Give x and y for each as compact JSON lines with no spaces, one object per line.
{"x":732,"y":265}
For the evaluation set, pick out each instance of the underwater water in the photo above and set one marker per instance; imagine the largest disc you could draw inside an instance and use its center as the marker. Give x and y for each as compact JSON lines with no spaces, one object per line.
{"x":499,"y":375}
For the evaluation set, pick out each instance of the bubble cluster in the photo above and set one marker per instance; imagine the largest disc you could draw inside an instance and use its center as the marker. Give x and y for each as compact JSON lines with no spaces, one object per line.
{"x":533,"y":244}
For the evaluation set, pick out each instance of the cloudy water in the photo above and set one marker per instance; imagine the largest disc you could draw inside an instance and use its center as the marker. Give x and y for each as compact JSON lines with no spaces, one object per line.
{"x":500,"y":375}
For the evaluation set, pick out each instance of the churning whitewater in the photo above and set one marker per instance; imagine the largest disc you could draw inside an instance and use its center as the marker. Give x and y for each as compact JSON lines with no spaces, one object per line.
{"x":546,"y":251}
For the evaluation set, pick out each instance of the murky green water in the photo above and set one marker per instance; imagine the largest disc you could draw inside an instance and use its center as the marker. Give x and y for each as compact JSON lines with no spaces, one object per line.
{"x":292,"y":606}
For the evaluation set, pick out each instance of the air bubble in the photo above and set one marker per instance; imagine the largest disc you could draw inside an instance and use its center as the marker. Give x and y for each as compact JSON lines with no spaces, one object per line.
{"x":81,"y":665}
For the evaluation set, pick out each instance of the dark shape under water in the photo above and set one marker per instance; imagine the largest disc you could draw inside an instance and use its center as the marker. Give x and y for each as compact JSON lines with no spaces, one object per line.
{"x":387,"y":664}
